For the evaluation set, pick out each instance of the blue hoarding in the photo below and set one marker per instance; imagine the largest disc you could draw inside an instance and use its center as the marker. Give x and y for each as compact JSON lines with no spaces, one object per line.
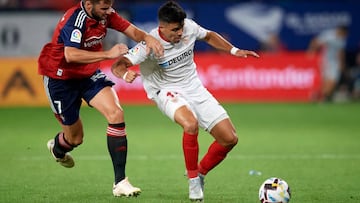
{"x":248,"y":24}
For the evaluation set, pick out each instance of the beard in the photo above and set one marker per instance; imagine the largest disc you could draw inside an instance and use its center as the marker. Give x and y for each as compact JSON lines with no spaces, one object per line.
{"x":95,"y":16}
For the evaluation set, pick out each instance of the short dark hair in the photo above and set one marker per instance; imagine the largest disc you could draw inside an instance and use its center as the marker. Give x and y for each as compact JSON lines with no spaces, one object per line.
{"x":98,"y":1}
{"x":171,"y":12}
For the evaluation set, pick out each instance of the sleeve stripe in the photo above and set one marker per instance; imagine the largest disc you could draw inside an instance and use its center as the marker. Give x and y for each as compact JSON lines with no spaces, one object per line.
{"x":80,"y":19}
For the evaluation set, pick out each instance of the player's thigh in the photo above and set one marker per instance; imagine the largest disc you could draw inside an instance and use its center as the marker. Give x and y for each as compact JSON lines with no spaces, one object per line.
{"x":169,"y":102}
{"x":208,"y":110}
{"x":100,"y":95}
{"x":107,"y":103}
{"x":224,"y":132}
{"x":65,"y":99}
{"x":186,"y":118}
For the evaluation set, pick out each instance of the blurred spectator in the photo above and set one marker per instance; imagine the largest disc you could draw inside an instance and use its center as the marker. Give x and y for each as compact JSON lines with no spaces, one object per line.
{"x":273,"y":44}
{"x":331,"y":43}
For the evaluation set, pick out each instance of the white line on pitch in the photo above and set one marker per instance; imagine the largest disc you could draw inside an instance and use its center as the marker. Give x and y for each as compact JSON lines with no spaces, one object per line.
{"x":236,"y":157}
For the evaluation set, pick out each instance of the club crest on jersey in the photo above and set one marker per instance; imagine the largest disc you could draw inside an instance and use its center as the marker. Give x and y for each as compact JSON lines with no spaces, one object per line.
{"x":76,"y":36}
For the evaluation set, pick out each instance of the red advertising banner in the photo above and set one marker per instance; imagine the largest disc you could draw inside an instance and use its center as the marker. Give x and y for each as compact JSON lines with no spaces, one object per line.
{"x":283,"y":77}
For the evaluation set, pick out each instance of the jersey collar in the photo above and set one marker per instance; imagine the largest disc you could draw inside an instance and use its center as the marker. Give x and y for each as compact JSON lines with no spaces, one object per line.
{"x":83,"y":8}
{"x":162,"y":36}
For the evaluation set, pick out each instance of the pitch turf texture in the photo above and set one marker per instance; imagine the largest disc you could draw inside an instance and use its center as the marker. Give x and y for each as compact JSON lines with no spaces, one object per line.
{"x":314,"y":147}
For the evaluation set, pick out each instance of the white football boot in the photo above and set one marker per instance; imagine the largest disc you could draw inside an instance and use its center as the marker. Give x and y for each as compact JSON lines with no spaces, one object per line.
{"x":202,"y":182}
{"x":67,"y":161}
{"x":195,"y":189}
{"x":124,"y":188}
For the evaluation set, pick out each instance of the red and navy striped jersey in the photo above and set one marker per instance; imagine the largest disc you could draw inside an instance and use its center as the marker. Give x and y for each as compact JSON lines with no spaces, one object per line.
{"x":76,"y":29}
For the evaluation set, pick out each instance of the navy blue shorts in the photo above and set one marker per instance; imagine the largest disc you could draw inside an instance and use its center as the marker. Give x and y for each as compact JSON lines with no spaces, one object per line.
{"x":65,"y":96}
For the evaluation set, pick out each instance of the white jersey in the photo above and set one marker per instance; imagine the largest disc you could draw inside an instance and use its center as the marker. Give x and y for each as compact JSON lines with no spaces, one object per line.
{"x":331,"y":61}
{"x":172,"y":80}
{"x":176,"y":69}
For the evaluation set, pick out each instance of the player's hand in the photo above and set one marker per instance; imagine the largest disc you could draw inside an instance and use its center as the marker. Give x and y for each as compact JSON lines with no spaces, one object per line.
{"x":154,"y":45}
{"x":130,"y":76}
{"x":245,"y":53}
{"x":117,"y":50}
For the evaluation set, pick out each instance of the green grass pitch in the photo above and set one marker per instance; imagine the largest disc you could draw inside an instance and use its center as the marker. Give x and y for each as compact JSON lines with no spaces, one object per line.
{"x":314,"y":147}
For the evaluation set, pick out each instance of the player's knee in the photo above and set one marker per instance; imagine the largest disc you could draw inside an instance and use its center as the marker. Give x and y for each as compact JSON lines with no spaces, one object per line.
{"x":78,"y":142}
{"x":190,"y":126}
{"x":75,"y":141}
{"x":115,"y":116}
{"x":232,"y":141}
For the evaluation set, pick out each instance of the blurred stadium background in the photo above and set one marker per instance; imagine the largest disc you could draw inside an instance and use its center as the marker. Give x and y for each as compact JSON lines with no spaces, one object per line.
{"x":284,"y":73}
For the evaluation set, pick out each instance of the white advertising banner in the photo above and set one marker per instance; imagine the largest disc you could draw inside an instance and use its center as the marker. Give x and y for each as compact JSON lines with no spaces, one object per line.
{"x":23,"y":34}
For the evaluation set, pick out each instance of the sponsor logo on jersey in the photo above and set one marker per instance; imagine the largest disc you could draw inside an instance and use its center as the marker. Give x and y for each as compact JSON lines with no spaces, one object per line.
{"x":177,"y":59}
{"x":92,"y":41}
{"x":76,"y":36}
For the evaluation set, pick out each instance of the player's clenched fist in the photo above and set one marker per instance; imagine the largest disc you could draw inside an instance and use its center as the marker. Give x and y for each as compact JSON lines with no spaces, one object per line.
{"x":130,"y":76}
{"x":117,"y":50}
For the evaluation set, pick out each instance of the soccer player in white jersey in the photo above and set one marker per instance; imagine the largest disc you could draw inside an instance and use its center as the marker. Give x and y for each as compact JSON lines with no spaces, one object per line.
{"x":173,"y":84}
{"x":332,"y":43}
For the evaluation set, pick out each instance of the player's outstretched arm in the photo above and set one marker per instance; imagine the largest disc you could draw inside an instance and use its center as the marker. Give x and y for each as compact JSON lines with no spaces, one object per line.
{"x":138,"y":35}
{"x":120,"y":70}
{"x":75,"y":55}
{"x":218,"y":42}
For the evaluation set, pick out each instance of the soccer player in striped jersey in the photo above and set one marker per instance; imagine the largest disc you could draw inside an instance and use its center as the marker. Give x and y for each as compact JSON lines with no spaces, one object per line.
{"x":172,"y":83}
{"x":70,"y":68}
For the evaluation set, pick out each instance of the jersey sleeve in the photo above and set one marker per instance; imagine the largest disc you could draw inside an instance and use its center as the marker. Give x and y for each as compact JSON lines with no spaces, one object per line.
{"x":199,"y":31}
{"x":71,"y":36}
{"x":137,"y":54}
{"x":71,"y":33}
{"x":117,"y":22}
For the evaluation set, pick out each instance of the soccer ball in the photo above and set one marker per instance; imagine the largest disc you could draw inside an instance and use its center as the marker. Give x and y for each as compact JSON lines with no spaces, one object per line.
{"x":274,"y":190}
